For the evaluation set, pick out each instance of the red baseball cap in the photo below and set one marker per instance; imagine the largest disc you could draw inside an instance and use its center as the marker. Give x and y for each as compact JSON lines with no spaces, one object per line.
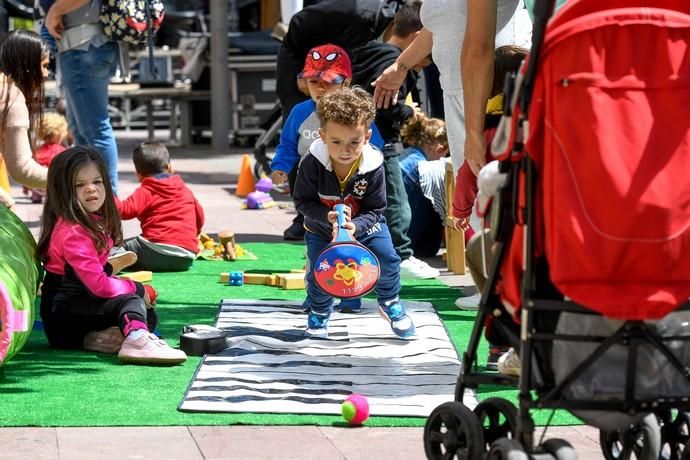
{"x":327,"y":62}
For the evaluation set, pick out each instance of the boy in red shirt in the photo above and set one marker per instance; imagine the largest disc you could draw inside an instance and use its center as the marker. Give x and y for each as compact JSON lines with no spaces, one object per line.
{"x":171,"y":218}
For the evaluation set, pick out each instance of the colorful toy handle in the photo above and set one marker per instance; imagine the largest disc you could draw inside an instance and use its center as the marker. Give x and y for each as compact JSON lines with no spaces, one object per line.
{"x":343,"y":234}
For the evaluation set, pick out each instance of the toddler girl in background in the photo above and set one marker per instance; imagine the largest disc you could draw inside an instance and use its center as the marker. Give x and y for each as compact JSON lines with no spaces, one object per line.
{"x":82,"y":304}
{"x":52,"y":137}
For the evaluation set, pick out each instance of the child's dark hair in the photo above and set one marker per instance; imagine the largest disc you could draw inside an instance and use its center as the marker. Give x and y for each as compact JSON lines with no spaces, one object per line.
{"x":406,"y":20}
{"x":21,"y":52}
{"x":62,"y":200}
{"x":507,"y":59}
{"x":351,"y":106}
{"x":150,"y":158}
{"x":420,"y":130}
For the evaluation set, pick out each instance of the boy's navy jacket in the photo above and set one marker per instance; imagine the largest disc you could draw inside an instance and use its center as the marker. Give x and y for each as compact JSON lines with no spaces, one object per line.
{"x":317,"y":191}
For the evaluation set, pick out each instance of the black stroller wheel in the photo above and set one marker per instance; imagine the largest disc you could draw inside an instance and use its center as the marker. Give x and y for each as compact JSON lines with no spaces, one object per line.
{"x":560,"y":449}
{"x":262,"y":167}
{"x":641,"y":441}
{"x":498,"y":419}
{"x":675,"y":434}
{"x":453,"y":431}
{"x":507,"y":449}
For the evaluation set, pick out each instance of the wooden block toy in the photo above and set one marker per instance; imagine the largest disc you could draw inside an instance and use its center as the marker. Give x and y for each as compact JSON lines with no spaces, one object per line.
{"x":292,"y":281}
{"x":272,"y":280}
{"x":226,"y":236}
{"x":298,"y":270}
{"x":257,"y":278}
{"x":236,"y":279}
{"x":141,"y":276}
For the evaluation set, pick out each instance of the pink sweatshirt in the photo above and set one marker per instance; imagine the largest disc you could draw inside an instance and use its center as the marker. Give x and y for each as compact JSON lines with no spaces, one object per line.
{"x":71,"y":244}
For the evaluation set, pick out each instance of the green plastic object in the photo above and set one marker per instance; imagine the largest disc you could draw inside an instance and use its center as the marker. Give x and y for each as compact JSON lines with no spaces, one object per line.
{"x":18,"y":283}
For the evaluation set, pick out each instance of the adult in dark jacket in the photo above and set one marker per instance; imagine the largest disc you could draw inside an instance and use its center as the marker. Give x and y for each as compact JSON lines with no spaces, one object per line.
{"x":346,"y":23}
{"x":368,"y":62}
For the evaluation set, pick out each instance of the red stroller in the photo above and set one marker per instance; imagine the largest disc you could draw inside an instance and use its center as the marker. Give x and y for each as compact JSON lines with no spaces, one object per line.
{"x":590,"y":277}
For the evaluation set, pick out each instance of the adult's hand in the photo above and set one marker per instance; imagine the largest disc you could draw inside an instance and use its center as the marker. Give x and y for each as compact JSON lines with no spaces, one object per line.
{"x":387,"y":85}
{"x":53,"y":22}
{"x":475,"y":152}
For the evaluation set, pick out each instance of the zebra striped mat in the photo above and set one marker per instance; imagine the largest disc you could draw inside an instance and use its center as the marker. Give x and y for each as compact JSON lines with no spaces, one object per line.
{"x":270,"y":366}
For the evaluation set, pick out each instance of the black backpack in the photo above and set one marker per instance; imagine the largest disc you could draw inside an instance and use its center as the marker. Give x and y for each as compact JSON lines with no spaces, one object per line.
{"x":131,"y":21}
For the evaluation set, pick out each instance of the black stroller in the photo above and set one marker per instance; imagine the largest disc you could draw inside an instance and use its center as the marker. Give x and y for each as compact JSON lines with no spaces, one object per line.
{"x":590,"y":275}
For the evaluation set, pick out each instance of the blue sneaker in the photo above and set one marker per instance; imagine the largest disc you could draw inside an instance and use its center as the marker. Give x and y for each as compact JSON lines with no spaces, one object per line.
{"x":317,"y":325}
{"x":401,"y":324}
{"x":350,"y":305}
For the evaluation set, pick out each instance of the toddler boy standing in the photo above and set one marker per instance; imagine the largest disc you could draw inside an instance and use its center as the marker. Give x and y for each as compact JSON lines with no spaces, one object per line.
{"x":342,"y":167}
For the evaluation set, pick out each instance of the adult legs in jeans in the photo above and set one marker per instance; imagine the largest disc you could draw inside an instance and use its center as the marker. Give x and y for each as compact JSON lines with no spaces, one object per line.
{"x":85,"y":77}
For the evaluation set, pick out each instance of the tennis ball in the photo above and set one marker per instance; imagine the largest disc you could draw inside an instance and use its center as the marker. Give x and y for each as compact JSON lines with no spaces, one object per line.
{"x":355,"y":409}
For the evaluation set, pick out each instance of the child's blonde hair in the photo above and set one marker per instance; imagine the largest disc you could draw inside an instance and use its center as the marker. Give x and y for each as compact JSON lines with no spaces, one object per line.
{"x":351,"y":106}
{"x":420,"y":130}
{"x":53,"y":126}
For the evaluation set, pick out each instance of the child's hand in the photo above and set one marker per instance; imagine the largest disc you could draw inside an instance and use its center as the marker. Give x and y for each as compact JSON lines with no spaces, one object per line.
{"x":278,"y":177}
{"x":461,"y":223}
{"x":333,"y":215}
{"x":150,"y":295}
{"x":349,"y":226}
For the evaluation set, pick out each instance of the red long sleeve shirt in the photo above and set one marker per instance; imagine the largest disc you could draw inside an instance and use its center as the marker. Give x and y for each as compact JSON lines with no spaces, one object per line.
{"x":466,"y":183}
{"x":167,"y":210}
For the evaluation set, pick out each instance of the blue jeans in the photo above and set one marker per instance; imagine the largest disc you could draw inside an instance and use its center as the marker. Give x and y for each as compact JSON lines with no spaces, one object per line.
{"x":426,"y":229}
{"x":378,"y":240}
{"x":85,"y":78}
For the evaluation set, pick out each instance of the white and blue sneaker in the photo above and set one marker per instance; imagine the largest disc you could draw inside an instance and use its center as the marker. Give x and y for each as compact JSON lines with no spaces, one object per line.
{"x":317,"y":325}
{"x":401,"y":324}
{"x":350,"y":305}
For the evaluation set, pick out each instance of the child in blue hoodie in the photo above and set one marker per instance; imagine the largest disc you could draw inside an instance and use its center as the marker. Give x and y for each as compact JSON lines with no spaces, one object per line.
{"x":343,"y":167}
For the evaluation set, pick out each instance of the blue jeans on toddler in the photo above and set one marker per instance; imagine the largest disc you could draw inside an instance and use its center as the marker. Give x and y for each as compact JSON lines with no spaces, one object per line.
{"x":378,"y":240}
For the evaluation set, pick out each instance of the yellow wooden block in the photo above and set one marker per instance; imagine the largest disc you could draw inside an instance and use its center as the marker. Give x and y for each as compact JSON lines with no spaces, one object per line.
{"x":257,"y":278}
{"x":141,"y":276}
{"x":224,"y":277}
{"x":292,"y":280}
{"x":297,"y":270}
{"x":272,"y":280}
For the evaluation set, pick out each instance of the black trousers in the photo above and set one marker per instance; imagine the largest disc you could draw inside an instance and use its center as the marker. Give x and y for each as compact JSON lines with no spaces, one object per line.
{"x":69,"y":311}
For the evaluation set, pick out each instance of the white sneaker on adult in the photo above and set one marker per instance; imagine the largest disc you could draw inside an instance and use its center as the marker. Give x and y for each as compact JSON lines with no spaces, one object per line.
{"x":414,"y":268}
{"x":469,"y":302}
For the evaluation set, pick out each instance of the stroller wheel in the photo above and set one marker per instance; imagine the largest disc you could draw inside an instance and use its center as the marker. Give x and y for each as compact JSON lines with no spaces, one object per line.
{"x":498,"y":418}
{"x":641,"y":441}
{"x":453,"y":431}
{"x":560,"y":449}
{"x":262,"y":167}
{"x":507,"y":449}
{"x":675,"y":434}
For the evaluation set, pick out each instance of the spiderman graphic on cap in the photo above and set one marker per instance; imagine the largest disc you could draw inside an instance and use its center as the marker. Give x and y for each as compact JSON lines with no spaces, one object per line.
{"x":327,"y":62}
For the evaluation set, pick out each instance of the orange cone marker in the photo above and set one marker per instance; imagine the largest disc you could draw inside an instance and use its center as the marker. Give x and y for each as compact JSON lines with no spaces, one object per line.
{"x":245,"y":184}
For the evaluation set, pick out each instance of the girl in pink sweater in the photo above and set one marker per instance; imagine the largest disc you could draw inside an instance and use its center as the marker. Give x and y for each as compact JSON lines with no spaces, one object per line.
{"x":82,"y":304}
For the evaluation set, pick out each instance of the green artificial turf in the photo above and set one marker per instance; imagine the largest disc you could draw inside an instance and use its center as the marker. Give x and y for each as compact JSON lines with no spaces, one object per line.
{"x":45,"y":387}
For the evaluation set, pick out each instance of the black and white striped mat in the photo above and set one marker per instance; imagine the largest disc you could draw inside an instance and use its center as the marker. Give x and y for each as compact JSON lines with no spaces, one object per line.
{"x":271,"y":366}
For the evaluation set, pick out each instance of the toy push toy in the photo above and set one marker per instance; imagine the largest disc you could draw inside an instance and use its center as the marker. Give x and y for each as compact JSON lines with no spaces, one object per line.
{"x":345,"y":268}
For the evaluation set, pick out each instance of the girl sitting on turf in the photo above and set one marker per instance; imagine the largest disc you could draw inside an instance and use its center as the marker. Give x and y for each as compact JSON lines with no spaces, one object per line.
{"x":82,"y":304}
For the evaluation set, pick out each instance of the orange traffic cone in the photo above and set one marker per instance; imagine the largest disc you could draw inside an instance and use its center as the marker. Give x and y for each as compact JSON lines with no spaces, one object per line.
{"x":245,"y":184}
